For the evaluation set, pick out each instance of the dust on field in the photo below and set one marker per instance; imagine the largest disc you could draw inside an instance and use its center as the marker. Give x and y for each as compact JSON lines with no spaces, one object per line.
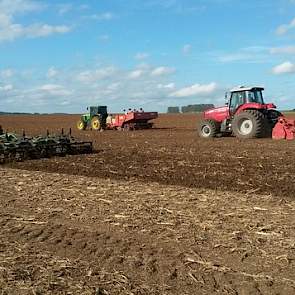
{"x":63,"y":234}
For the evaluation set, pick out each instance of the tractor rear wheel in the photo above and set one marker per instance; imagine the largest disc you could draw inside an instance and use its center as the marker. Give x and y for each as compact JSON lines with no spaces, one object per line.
{"x":250,"y":124}
{"x":95,"y":123}
{"x":81,"y":125}
{"x":208,"y":128}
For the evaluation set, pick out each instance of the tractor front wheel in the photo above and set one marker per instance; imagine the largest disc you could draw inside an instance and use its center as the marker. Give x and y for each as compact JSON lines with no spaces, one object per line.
{"x":208,"y":128}
{"x":81,"y":125}
{"x":250,"y":124}
{"x":95,"y":123}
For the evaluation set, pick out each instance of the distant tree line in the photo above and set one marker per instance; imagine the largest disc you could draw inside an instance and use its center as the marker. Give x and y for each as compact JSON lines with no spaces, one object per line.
{"x":192,"y":108}
{"x":17,"y":113}
{"x":173,"y":110}
{"x":13,"y":113}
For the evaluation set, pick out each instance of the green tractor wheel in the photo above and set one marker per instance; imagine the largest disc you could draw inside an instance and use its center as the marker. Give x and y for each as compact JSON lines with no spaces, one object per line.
{"x":95,"y":123}
{"x":81,"y":125}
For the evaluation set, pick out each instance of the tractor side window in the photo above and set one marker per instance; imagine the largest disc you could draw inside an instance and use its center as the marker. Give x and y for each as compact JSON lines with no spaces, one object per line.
{"x":255,"y":96}
{"x":237,"y":99}
{"x":250,"y":96}
{"x":258,"y":97}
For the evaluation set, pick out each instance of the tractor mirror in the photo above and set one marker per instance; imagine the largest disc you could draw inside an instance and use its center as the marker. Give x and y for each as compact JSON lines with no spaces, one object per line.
{"x":87,"y":108}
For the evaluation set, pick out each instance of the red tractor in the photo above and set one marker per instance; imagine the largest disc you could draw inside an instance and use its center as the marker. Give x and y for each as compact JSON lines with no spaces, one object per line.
{"x":246,"y":115}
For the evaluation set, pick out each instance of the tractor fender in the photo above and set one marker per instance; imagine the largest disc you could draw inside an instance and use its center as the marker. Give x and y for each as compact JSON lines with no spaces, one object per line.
{"x":254,"y":106}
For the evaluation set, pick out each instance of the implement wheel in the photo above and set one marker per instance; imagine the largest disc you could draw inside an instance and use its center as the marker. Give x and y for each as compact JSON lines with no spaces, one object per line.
{"x":81,"y":125}
{"x":208,"y":128}
{"x":95,"y":123}
{"x":250,"y":124}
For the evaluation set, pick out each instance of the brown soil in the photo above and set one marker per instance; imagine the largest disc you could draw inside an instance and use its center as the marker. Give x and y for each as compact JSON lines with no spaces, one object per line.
{"x":64,"y":234}
{"x":171,"y":154}
{"x":152,"y":212}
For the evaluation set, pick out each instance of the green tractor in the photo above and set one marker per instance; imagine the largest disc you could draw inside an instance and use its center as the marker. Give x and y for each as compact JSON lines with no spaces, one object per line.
{"x":95,"y":119}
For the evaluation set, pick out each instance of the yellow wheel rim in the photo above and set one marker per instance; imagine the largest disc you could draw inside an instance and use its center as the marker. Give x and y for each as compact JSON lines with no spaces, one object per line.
{"x":95,"y":124}
{"x":80,"y":125}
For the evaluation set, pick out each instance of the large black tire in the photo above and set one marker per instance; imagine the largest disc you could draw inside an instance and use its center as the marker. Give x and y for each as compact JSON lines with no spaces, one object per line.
{"x":250,"y":124}
{"x":208,"y":128}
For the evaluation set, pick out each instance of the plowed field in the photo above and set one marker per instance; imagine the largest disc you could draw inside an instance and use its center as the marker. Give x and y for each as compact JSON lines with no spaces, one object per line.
{"x":172,"y":154}
{"x":151,"y":212}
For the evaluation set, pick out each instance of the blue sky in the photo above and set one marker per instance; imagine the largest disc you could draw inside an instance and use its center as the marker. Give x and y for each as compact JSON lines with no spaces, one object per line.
{"x":61,"y":56}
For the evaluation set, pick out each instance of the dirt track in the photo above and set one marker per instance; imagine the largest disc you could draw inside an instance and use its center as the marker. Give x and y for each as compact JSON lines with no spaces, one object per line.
{"x":152,"y":212}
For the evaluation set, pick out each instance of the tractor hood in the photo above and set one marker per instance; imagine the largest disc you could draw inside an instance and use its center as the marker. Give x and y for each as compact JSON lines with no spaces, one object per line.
{"x":216,"y":110}
{"x":217,"y":114}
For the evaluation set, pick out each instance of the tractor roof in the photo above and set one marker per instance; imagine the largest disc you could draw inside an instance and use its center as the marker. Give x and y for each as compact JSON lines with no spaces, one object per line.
{"x":244,"y":88}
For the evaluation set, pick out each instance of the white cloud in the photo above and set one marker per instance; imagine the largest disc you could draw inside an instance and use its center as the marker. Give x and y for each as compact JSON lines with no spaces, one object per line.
{"x":43,"y":30}
{"x":11,"y":7}
{"x":251,"y":54}
{"x":285,"y":28}
{"x":64,"y":8}
{"x":10,"y":30}
{"x":96,"y":75}
{"x":284,"y":68}
{"x":114,"y":86}
{"x":6,"y":73}
{"x":234,"y":57}
{"x":52,"y":72}
{"x":161,"y":71}
{"x":141,"y":56}
{"x":136,"y":74}
{"x":54,"y":89}
{"x":79,"y":87}
{"x":196,"y":89}
{"x":101,"y":16}
{"x":283,"y":50}
{"x":186,"y":49}
{"x":5,"y":88}
{"x":166,"y":86}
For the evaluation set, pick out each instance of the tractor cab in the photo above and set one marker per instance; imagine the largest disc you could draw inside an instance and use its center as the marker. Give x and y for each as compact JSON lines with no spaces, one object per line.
{"x":243,"y":96}
{"x":98,"y":111}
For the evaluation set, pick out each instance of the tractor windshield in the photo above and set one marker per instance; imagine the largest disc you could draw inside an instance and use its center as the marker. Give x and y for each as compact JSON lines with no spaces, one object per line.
{"x":255,"y":95}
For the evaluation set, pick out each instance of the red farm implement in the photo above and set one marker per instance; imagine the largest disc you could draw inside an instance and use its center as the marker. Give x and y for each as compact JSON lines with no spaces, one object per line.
{"x":99,"y":119}
{"x":131,"y":121}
